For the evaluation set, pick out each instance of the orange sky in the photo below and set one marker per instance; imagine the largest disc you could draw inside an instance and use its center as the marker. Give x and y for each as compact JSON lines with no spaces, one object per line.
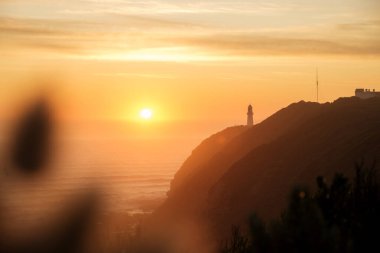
{"x":199,"y":61}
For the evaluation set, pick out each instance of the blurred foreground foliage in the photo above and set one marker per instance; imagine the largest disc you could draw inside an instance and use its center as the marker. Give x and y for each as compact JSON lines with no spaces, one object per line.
{"x":343,"y":216}
{"x":29,"y":153}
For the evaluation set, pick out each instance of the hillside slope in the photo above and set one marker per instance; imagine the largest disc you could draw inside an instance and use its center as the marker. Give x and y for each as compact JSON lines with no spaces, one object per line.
{"x":190,"y":186}
{"x":256,"y":167}
{"x":338,"y":136}
{"x":202,"y":154}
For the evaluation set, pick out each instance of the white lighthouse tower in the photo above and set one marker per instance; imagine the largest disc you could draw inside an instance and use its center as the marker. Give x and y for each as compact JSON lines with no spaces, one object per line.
{"x":250,"y":116}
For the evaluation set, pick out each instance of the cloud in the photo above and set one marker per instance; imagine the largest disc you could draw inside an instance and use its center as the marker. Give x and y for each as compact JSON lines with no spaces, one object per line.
{"x":38,"y":34}
{"x":118,"y":31}
{"x":248,"y":44}
{"x":138,"y":75}
{"x":142,"y":37}
{"x":147,"y":22}
{"x":15,"y":26}
{"x":182,"y":7}
{"x":360,"y":26}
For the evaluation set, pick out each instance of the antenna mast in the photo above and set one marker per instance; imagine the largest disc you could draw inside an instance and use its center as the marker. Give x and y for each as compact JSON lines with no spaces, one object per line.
{"x":317,"y":86}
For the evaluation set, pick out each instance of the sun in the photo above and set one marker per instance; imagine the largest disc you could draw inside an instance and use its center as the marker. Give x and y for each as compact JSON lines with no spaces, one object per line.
{"x":146,"y":113}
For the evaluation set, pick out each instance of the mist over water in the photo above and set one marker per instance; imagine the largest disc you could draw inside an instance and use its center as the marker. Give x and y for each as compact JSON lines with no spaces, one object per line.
{"x":133,"y":174}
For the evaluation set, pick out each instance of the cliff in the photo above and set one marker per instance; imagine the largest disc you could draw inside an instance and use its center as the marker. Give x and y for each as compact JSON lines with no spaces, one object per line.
{"x":253,"y":169}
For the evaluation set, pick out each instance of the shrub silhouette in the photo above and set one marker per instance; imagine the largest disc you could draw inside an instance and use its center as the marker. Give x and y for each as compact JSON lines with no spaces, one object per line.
{"x":237,"y":244}
{"x":340,"y":217}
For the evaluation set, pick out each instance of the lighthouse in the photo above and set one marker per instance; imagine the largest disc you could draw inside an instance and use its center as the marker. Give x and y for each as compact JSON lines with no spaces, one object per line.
{"x":250,"y":116}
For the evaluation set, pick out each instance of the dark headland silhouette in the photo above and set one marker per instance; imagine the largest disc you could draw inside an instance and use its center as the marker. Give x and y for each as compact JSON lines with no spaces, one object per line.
{"x":242,"y":169}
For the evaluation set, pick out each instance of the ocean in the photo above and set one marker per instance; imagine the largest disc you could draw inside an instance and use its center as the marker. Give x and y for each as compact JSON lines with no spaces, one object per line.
{"x":132,"y":176}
